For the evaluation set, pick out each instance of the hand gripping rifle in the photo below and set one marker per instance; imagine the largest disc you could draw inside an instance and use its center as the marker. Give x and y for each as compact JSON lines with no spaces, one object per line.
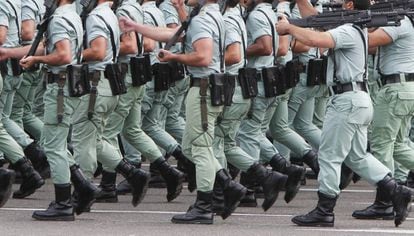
{"x":365,"y":18}
{"x":183,"y":27}
{"x":51,"y":6}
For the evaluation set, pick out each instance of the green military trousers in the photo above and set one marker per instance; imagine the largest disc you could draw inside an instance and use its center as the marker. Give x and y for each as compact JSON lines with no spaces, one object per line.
{"x":344,"y":140}
{"x":22,"y":105}
{"x":88,"y":140}
{"x":8,"y":145}
{"x":126,"y":119}
{"x":197,"y":142}
{"x":55,"y":134}
{"x":393,"y":110}
{"x":152,"y":124}
{"x":224,"y":144}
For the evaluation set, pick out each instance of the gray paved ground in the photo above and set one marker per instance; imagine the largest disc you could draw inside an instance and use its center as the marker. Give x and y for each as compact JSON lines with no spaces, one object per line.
{"x":152,"y":217}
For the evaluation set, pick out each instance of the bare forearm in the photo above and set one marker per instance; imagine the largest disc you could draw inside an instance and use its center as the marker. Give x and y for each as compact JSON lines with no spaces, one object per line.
{"x":192,"y":59}
{"x":311,"y":38}
{"x":182,"y":13}
{"x":22,"y":51}
{"x":160,"y":34}
{"x":54,"y":59}
{"x":306,"y":9}
{"x":257,"y":50}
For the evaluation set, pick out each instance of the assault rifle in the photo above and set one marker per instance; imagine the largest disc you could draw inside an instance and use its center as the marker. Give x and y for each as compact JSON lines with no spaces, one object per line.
{"x":365,"y":19}
{"x":51,"y":6}
{"x":183,"y":27}
{"x":387,"y":5}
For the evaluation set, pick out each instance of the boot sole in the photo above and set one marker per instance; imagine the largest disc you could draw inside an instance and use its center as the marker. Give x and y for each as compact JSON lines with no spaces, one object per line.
{"x":374,"y":218}
{"x":406,"y":200}
{"x":295,"y":180}
{"x":17,"y":195}
{"x":313,"y":224}
{"x":107,"y":200}
{"x":177,"y":189}
{"x":248,"y":204}
{"x":200,"y":222}
{"x":268,"y":203}
{"x":58,"y":218}
{"x":228,"y":211}
{"x":135,"y":202}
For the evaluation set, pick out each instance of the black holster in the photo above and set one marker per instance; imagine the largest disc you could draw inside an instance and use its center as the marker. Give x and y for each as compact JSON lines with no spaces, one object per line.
{"x":94,"y":77}
{"x":216,"y":83}
{"x":162,"y":73}
{"x":78,"y":81}
{"x":116,"y":76}
{"x":317,"y":71}
{"x":248,"y":82}
{"x":177,"y":71}
{"x":292,"y":71}
{"x":3,"y":68}
{"x":16,"y":68}
{"x":273,"y":81}
{"x":140,"y":70}
{"x":229,"y":89}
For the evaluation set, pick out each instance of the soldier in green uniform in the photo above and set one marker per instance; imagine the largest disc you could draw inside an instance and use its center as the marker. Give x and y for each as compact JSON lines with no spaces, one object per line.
{"x":202,"y":47}
{"x":32,"y":12}
{"x":349,"y":112}
{"x":393,"y":108}
{"x":126,"y":117}
{"x":9,"y":38}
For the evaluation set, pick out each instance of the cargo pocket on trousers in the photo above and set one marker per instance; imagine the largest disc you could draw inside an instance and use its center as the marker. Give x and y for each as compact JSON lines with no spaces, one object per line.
{"x":405,"y":104}
{"x":361,"y":112}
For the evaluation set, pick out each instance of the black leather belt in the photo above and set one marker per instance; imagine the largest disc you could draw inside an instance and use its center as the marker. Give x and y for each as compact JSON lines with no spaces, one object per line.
{"x":195,"y":82}
{"x":342,"y":88}
{"x":396,"y":78}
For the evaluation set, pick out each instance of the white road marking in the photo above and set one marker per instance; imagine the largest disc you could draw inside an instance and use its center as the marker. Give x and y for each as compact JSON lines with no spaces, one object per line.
{"x":382,"y":231}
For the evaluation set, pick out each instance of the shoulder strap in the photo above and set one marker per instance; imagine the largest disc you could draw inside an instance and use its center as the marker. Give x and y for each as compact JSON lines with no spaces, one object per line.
{"x":114,"y":54}
{"x":16,"y":21}
{"x":273,"y":35}
{"x":38,"y":9}
{"x":221,"y":46}
{"x":156,"y":24}
{"x":242,"y":37}
{"x":139,"y":40}
{"x":79,"y":51}
{"x":361,"y":33}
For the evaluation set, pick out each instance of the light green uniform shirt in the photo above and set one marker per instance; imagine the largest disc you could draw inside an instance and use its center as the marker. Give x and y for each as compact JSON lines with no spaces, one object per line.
{"x":235,"y":32}
{"x":95,"y":28}
{"x":8,"y":19}
{"x":32,"y":10}
{"x":153,"y":16}
{"x":257,"y":26}
{"x":398,"y":57}
{"x":132,"y":10}
{"x":349,"y":55}
{"x":201,"y":27}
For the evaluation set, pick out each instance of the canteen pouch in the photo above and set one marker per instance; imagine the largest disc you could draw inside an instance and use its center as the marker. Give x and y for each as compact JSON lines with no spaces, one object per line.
{"x":317,"y":71}
{"x":292,"y":71}
{"x":16,"y":68}
{"x":216,"y":83}
{"x":229,"y":88}
{"x":147,"y":67}
{"x":161,"y":76}
{"x":113,"y":72}
{"x":248,"y":82}
{"x":138,"y":71}
{"x":78,"y":81}
{"x":273,"y":81}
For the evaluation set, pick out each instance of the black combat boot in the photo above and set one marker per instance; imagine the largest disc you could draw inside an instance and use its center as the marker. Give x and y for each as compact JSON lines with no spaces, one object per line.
{"x":156,"y":180}
{"x":295,"y":174}
{"x":346,"y":176}
{"x":233,"y":192}
{"x":271,"y":181}
{"x":400,"y":196}
{"x":189,"y":168}
{"x":6,"y":183}
{"x":322,"y":215}
{"x":59,"y":210}
{"x":107,"y":187}
{"x":381,"y":209}
{"x":173,"y":177}
{"x":249,"y":199}
{"x":410,"y":179}
{"x":311,"y":159}
{"x":199,"y":213}
{"x":84,"y":192}
{"x":233,"y":171}
{"x":37,"y":157}
{"x":137,"y":178}
{"x":31,"y":180}
{"x":124,"y":187}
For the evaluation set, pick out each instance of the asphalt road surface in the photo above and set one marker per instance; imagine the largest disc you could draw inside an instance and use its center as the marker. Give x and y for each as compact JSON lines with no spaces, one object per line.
{"x":152,"y":216}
